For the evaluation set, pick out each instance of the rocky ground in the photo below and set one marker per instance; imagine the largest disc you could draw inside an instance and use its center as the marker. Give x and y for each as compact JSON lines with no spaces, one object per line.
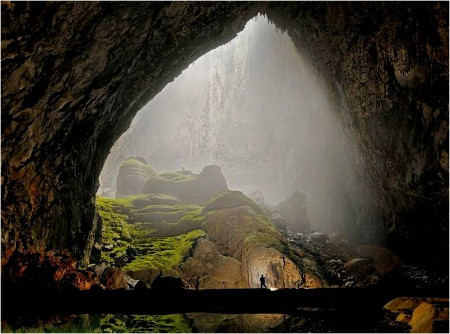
{"x":158,"y":239}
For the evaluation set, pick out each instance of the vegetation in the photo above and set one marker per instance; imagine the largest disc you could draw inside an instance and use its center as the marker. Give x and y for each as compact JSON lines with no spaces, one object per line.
{"x":117,"y":234}
{"x":229,"y":199}
{"x":139,"y":166}
{"x":143,"y":251}
{"x":163,"y":253}
{"x":140,"y":323}
{"x":159,"y":236}
{"x":183,"y":175}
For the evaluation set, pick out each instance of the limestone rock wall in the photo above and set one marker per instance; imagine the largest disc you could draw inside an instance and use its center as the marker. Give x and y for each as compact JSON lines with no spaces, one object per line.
{"x":75,"y":73}
{"x":387,"y":64}
{"x":73,"y":76}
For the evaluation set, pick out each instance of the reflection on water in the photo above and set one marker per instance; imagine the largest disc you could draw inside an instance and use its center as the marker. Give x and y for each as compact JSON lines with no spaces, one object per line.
{"x":172,"y":323}
{"x":205,"y":323}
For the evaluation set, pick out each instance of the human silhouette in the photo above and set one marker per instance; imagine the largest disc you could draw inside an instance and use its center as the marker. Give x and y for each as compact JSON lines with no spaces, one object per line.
{"x":263,"y":281}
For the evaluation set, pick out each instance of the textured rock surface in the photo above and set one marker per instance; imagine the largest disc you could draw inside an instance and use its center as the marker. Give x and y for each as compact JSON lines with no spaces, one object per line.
{"x":133,"y":174}
{"x":196,"y":189}
{"x":383,"y":259}
{"x":75,"y":73}
{"x":73,"y":76}
{"x":360,"y":266}
{"x":237,"y":227}
{"x":388,"y":67}
{"x":423,"y":315}
{"x":294,"y":213}
{"x":115,"y":278}
{"x":208,"y":269}
{"x":234,"y":323}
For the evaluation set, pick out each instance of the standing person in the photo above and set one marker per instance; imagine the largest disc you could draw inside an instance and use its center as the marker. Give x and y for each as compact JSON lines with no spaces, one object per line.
{"x":263,"y":281}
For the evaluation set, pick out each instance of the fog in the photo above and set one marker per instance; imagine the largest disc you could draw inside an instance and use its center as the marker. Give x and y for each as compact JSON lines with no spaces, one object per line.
{"x":257,"y":109}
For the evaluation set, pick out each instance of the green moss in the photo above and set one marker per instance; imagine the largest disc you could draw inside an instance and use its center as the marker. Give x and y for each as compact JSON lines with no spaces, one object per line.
{"x":193,"y":218}
{"x":229,"y":199}
{"x":116,"y":231}
{"x":179,"y":176}
{"x":163,"y":253}
{"x":140,"y":323}
{"x":136,"y":164}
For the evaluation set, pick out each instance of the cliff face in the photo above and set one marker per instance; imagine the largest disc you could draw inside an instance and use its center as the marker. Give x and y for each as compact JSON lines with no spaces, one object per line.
{"x":256,"y":108}
{"x":74,"y":74}
{"x":388,"y":67}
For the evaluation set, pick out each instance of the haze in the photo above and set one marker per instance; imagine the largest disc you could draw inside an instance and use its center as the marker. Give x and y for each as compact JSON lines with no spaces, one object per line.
{"x":258,"y":110}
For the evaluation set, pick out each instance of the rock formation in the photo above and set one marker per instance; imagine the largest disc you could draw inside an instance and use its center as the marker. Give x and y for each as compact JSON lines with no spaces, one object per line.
{"x":293,"y":211}
{"x":226,"y":243}
{"x":194,"y":189}
{"x":133,"y":174}
{"x":75,"y":73}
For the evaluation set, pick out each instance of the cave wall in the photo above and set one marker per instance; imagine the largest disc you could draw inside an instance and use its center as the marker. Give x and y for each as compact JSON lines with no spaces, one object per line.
{"x":75,"y":73}
{"x":387,"y":64}
{"x":73,"y":76}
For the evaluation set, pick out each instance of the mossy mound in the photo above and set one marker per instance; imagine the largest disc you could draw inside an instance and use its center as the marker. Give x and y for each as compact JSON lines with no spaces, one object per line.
{"x":229,"y":199}
{"x":161,"y":213}
{"x":181,"y":175}
{"x":189,"y":188}
{"x":117,"y":234}
{"x":133,"y":174}
{"x":164,"y":254}
{"x":136,"y":247}
{"x":147,"y":239}
{"x":144,"y":200}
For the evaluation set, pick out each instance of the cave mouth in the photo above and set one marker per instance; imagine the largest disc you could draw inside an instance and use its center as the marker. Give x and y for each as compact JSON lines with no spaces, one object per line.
{"x":257,"y":109}
{"x":74,"y":74}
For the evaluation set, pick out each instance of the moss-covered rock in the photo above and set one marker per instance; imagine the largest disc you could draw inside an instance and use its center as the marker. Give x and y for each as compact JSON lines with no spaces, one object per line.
{"x":164,"y":254}
{"x":133,"y":174}
{"x":171,"y":323}
{"x":229,"y":199}
{"x":239,"y":243}
{"x":239,"y":228}
{"x":136,"y":247}
{"x":187,"y":187}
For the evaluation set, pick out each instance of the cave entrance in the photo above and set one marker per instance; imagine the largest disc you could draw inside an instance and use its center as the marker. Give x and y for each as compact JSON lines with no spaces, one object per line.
{"x":256,"y":108}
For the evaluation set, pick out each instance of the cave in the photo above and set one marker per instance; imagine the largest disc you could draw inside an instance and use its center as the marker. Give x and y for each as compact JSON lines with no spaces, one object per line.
{"x":74,"y":74}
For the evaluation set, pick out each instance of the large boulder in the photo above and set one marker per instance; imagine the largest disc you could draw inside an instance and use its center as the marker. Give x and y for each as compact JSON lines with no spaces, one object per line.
{"x":167,"y":283}
{"x":237,"y":224}
{"x":423,"y":315}
{"x":115,"y":278}
{"x":208,"y":269}
{"x":191,"y":189}
{"x":229,"y":199}
{"x":384,"y":259}
{"x":360,"y":266}
{"x":293,"y":211}
{"x":133,"y":174}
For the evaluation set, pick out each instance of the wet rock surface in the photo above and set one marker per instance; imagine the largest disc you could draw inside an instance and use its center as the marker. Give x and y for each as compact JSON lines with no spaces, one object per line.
{"x":347,"y":264}
{"x":421,"y":315}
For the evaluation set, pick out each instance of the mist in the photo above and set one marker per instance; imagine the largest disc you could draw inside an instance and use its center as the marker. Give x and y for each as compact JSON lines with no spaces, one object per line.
{"x":256,"y":108}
